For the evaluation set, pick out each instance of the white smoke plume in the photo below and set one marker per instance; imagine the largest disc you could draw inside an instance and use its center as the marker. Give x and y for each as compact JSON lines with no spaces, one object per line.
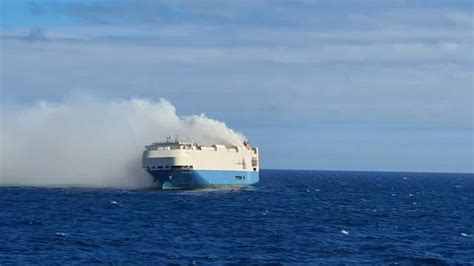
{"x":94,"y":144}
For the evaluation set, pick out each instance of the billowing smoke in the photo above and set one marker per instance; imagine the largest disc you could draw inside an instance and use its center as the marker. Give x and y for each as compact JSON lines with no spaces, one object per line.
{"x":94,"y":144}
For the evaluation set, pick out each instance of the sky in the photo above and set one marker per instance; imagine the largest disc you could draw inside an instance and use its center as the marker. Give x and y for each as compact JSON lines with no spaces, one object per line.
{"x":325,"y":84}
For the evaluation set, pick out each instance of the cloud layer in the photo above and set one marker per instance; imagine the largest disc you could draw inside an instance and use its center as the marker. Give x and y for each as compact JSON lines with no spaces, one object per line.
{"x":368,"y":68}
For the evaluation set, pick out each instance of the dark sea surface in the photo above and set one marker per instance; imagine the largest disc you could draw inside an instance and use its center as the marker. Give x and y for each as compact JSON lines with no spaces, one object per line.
{"x":305,"y":217}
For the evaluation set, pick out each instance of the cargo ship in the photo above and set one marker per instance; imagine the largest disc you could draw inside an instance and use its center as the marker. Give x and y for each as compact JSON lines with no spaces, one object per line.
{"x":188,"y":165}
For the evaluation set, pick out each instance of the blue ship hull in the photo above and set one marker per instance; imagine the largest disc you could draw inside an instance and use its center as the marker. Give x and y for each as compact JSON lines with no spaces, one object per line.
{"x":189,"y":179}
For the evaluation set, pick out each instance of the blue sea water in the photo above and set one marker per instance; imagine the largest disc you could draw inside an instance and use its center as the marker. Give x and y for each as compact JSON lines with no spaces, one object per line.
{"x":306,"y":217}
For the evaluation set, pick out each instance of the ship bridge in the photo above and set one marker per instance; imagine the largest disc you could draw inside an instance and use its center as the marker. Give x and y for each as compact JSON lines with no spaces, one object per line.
{"x":182,"y":145}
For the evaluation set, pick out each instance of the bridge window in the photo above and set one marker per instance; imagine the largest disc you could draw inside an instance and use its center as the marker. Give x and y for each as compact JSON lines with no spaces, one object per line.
{"x":254,"y":161}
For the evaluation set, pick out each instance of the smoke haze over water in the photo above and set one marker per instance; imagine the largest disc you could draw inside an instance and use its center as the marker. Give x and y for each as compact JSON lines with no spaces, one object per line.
{"x":92,"y":143}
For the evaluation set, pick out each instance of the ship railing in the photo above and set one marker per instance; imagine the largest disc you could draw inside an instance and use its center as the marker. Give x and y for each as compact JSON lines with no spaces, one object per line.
{"x":194,"y":146}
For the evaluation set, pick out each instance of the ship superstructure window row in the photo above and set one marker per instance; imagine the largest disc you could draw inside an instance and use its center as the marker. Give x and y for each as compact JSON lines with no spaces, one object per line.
{"x":174,"y":167}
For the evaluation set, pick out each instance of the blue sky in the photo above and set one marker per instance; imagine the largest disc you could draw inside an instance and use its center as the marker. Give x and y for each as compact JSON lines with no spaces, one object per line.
{"x":342,"y":85}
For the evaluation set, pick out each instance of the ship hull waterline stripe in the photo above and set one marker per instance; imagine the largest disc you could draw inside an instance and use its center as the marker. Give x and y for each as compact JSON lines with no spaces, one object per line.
{"x":183,"y":179}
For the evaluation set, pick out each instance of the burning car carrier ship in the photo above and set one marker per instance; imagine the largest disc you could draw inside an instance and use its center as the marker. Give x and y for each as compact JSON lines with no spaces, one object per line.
{"x":187,"y":165}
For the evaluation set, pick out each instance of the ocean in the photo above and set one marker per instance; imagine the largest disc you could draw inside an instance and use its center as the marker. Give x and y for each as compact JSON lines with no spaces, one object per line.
{"x":290,"y":217}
